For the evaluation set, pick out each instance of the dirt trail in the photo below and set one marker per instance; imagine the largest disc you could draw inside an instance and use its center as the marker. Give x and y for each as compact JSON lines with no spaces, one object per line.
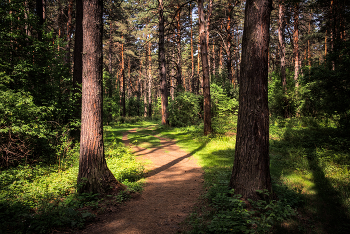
{"x":174,"y":183}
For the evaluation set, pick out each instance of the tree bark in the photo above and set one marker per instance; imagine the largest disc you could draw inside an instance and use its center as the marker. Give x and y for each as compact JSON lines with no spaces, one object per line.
{"x":94,"y":175}
{"x":205,"y":67}
{"x":179,"y":83}
{"x":251,"y":170}
{"x":149,"y":80}
{"x":281,"y":43}
{"x":296,"y":44}
{"x":162,"y":71}
{"x":122,"y":85}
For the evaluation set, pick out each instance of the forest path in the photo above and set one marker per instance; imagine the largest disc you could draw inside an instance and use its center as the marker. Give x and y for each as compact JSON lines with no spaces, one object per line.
{"x":174,"y":183}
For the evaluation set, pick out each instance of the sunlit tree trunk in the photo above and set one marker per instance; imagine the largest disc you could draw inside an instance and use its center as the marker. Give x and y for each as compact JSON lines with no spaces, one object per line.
{"x":205,"y":67}
{"x":94,"y":175}
{"x":251,"y":170}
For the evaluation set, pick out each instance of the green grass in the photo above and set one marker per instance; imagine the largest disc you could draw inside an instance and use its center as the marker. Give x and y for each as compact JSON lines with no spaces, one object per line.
{"x":309,"y":168}
{"x":39,"y":198}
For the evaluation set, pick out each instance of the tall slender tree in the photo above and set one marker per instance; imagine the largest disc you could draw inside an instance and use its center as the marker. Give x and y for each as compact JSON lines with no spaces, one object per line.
{"x":205,"y":67}
{"x":162,"y":71}
{"x":94,"y":175}
{"x":251,"y":170}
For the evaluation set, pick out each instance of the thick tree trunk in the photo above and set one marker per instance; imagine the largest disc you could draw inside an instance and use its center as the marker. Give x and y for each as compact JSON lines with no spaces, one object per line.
{"x":94,"y":175}
{"x":251,"y":170}
{"x":162,"y":71}
{"x":205,"y":67}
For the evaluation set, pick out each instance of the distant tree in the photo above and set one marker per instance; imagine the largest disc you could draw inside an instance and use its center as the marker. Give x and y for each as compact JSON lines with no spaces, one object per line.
{"x":251,"y":170}
{"x":162,"y":65}
{"x":94,"y":175}
{"x":205,"y":66}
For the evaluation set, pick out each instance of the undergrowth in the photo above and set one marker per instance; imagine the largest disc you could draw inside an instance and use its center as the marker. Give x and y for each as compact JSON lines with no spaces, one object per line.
{"x":310,"y":175}
{"x":40,"y":198}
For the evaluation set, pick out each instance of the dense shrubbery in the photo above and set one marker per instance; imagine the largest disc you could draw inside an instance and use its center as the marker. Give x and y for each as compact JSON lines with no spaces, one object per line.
{"x":185,"y":109}
{"x":37,"y":102}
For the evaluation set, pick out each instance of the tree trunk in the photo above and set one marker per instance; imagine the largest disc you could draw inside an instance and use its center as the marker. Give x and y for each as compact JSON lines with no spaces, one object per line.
{"x":228,"y":42}
{"x":179,"y":56}
{"x":281,"y":43}
{"x":122,"y":85}
{"x":296,"y":43}
{"x":69,"y":31}
{"x":162,"y":71}
{"x":149,"y":80}
{"x":251,"y":170}
{"x":205,"y":67}
{"x":192,"y":80}
{"x":78,"y":63}
{"x":210,"y":9}
{"x":94,"y":175}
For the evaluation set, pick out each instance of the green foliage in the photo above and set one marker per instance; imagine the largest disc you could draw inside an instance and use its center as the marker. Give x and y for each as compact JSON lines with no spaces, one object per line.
{"x":37,"y":105}
{"x":185,"y":109}
{"x":221,"y":104}
{"x":37,"y":199}
{"x":326,"y":91}
{"x":231,"y":214}
{"x":282,"y":103}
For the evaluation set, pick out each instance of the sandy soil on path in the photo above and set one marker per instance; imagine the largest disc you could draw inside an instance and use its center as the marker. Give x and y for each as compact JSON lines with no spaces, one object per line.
{"x":174,"y":183}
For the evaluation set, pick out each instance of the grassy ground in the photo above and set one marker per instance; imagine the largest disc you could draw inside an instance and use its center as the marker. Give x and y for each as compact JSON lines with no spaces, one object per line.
{"x":309,"y":167}
{"x":40,"y":198}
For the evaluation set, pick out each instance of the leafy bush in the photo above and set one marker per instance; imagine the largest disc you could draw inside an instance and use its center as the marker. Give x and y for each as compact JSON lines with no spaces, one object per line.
{"x":221,"y":104}
{"x":231,"y":214}
{"x":282,"y":103}
{"x":185,"y":109}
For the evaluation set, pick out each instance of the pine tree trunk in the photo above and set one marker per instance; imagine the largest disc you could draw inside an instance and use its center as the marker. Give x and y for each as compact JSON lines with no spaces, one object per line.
{"x":149,"y":80}
{"x":179,"y":84}
{"x":205,"y":67}
{"x":282,"y":44}
{"x":162,"y":71}
{"x":251,"y":170}
{"x":122,"y":85}
{"x":94,"y":175}
{"x":296,"y":44}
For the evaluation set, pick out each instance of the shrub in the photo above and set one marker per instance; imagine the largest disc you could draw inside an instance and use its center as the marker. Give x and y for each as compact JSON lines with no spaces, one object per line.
{"x":185,"y":109}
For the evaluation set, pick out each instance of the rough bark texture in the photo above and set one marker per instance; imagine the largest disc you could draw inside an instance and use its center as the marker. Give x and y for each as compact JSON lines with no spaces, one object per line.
{"x":162,"y":71}
{"x":94,"y":175}
{"x":251,"y":164}
{"x":205,"y":67}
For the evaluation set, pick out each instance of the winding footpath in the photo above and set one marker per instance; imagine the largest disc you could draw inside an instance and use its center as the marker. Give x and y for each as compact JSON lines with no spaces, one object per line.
{"x":173,"y":185}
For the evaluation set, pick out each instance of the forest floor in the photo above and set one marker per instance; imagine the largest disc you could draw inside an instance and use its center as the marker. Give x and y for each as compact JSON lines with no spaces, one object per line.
{"x":174,"y":182}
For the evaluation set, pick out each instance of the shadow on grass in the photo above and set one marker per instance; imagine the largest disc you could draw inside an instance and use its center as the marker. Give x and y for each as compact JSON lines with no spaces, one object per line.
{"x":298,"y":150}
